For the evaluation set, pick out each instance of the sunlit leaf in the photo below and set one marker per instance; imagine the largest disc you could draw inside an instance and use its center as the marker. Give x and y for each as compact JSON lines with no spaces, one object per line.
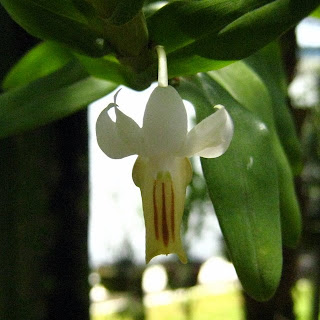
{"x":49,"y":98}
{"x":316,"y":13}
{"x":200,"y":31}
{"x":107,"y":68}
{"x":40,"y":61}
{"x":245,"y":86}
{"x":182,"y":22}
{"x":193,"y":64}
{"x":267,"y":63}
{"x":243,"y":186}
{"x":253,"y":30}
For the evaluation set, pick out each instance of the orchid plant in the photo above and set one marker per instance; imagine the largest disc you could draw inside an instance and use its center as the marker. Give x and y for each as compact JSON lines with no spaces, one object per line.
{"x":162,"y":170}
{"x":90,"y":47}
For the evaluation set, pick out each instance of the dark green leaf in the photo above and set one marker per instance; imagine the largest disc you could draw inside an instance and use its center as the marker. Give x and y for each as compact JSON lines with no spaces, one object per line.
{"x":189,"y":65}
{"x":196,"y":32}
{"x":40,"y":61}
{"x":291,"y":223}
{"x":86,"y":9}
{"x":125,"y":10}
{"x":252,"y":31}
{"x":107,"y":68}
{"x":50,"y":98}
{"x":243,"y":186}
{"x":182,"y":22}
{"x":116,"y":12}
{"x":245,"y":86}
{"x":267,"y":63}
{"x":58,"y":21}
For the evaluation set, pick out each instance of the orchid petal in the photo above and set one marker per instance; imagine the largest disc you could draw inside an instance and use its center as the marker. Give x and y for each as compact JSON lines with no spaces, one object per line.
{"x":108,"y":136}
{"x":164,"y":122}
{"x":163,"y":185}
{"x":129,"y":132}
{"x":211,"y":137}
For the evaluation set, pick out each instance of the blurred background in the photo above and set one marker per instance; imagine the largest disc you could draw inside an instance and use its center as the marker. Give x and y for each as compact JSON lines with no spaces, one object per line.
{"x":71,"y":225}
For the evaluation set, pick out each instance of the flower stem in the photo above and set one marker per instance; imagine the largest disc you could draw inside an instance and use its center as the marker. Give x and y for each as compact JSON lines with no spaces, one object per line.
{"x":162,"y":67}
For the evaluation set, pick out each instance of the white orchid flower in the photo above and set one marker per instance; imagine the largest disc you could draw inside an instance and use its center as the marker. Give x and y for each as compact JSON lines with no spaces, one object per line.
{"x":162,"y":170}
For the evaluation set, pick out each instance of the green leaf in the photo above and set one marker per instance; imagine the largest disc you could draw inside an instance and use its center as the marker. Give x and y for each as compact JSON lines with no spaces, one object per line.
{"x":107,"y":68}
{"x":85,"y":8}
{"x":243,"y":186}
{"x":58,"y":21}
{"x":225,"y":30}
{"x":182,"y":22}
{"x":40,"y":61}
{"x":291,"y":220}
{"x":50,"y":98}
{"x":117,"y":12}
{"x":316,"y":13}
{"x":252,"y":31}
{"x":267,"y":63}
{"x":125,"y":10}
{"x":189,"y":65}
{"x":245,"y":86}
{"x":110,"y":69}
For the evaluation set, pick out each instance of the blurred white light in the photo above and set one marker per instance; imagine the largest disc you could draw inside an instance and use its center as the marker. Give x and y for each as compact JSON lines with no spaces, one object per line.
{"x":217,"y":270}
{"x":154,"y":279}
{"x":98,"y":293}
{"x":308,"y":33}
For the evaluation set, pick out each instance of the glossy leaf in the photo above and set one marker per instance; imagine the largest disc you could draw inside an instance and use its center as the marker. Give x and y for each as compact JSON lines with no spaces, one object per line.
{"x":58,"y":21}
{"x":253,"y":30}
{"x":225,"y":30}
{"x":40,"y":61}
{"x":245,"y":86}
{"x":49,"y":98}
{"x":189,"y":65}
{"x":243,"y":186}
{"x":182,"y":22}
{"x":267,"y":63}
